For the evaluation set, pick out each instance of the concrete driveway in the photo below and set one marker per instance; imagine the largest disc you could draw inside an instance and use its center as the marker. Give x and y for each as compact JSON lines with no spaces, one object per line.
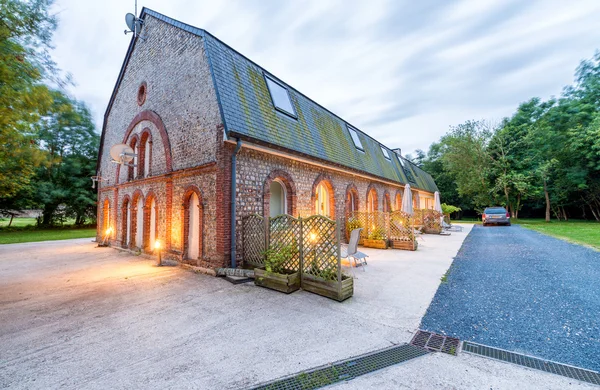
{"x":80,"y":317}
{"x":519,"y":290}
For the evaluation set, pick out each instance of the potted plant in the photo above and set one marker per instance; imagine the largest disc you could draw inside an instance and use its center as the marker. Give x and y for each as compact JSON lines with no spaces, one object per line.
{"x":376,"y":239}
{"x":276,"y":274}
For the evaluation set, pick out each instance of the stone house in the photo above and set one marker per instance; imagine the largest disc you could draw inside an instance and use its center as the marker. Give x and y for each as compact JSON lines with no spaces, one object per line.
{"x":218,"y":136}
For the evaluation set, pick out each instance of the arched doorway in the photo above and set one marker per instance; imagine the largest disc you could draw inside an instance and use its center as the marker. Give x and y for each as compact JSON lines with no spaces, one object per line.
{"x":387,"y":204}
{"x":323,"y":195}
{"x":126,"y":223}
{"x":105,"y":216}
{"x":193,"y":238}
{"x":372,"y":200}
{"x":398,"y":201}
{"x":139,"y":223}
{"x":277,"y":199}
{"x":153,"y":224}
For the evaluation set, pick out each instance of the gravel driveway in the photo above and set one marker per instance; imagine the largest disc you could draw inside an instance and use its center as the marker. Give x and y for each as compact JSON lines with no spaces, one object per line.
{"x":519,"y":290}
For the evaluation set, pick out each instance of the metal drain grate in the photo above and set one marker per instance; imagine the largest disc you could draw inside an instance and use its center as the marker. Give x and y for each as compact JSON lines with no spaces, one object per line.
{"x":346,"y":369}
{"x":533,"y":362}
{"x":436,"y":342}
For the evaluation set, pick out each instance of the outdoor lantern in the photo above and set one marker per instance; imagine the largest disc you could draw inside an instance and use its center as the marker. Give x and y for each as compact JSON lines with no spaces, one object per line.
{"x":157,"y":249}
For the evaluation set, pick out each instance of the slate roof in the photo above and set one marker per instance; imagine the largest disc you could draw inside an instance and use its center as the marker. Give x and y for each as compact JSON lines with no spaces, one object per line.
{"x":248,"y":112}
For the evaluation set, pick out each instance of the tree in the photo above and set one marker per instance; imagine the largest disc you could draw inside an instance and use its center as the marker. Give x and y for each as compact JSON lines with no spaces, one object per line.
{"x":25,"y":31}
{"x":67,"y":136}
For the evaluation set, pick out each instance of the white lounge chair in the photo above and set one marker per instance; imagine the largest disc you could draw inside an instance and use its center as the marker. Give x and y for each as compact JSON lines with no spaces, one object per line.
{"x":350,"y":251}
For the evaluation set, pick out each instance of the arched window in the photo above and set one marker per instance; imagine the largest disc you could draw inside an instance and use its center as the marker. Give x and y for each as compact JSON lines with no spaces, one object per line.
{"x":387,"y":204}
{"x":131,"y":168}
{"x":323,"y":197}
{"x":372,"y":200}
{"x":351,"y":200}
{"x":192,"y":224}
{"x":153,"y":224}
{"x":125,"y":226}
{"x":322,"y":206}
{"x":145,"y":154}
{"x":279,"y":194}
{"x":415,"y":199}
{"x":398,"y":201}
{"x":278,"y":198}
{"x":137,"y":220}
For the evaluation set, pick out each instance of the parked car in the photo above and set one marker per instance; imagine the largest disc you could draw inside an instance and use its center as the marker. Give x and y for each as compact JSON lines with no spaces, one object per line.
{"x":495,"y":215}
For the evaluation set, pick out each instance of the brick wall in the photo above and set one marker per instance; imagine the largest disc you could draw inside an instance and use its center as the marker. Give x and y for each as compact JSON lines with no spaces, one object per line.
{"x":255,"y":168}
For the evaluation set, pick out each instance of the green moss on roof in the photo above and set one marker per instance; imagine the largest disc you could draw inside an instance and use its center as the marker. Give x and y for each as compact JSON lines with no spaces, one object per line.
{"x":248,"y":110}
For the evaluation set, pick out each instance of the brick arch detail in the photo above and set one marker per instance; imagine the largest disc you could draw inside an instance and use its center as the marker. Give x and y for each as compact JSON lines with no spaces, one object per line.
{"x":185,"y":218}
{"x":145,"y":140}
{"x":398,"y":200}
{"x":351,"y":189}
{"x":124,"y":226}
{"x":387,"y":202}
{"x":137,"y":200}
{"x":150,"y":196}
{"x":290,"y":190}
{"x":372,"y":190}
{"x":325,"y":179}
{"x":133,"y":143}
{"x":151,"y":116}
{"x":105,"y":215}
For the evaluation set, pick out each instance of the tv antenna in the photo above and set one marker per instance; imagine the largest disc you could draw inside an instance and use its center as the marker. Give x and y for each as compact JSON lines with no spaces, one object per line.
{"x":133,"y":23}
{"x":122,"y":154}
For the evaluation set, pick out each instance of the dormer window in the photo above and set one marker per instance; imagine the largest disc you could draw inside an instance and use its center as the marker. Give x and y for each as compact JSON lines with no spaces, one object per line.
{"x":386,"y":154}
{"x":280,"y":97}
{"x":355,"y":139}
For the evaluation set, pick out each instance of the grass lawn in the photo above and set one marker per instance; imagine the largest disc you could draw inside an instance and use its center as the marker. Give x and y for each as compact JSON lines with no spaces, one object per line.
{"x":23,"y":230}
{"x":580,"y":232}
{"x":27,"y":235}
{"x":17,"y":222}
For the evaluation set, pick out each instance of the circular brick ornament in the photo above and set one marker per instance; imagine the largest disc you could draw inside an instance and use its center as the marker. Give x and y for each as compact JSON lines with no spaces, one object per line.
{"x":141,"y":96}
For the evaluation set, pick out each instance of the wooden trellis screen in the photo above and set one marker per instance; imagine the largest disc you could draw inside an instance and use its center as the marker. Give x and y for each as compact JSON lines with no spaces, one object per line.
{"x":374,"y":222}
{"x":254,"y":240}
{"x":284,"y":231}
{"x":401,"y":226}
{"x":321,"y":248}
{"x":432,"y":221}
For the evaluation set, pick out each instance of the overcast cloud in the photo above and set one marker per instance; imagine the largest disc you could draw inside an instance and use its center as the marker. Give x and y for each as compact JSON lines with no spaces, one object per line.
{"x":402,"y":71}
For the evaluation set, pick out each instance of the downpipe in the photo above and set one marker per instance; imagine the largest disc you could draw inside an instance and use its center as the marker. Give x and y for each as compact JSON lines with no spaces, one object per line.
{"x":238,"y":146}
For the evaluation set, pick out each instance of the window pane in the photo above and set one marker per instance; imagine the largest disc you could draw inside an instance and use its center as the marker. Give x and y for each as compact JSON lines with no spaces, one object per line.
{"x":280,"y":96}
{"x":385,"y":153}
{"x":355,"y":138}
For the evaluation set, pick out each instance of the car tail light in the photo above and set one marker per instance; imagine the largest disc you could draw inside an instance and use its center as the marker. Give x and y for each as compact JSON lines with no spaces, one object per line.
{"x":483,"y":216}
{"x":507,"y":215}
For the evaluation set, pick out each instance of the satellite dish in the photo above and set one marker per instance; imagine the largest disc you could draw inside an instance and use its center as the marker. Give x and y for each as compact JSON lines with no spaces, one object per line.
{"x":122,"y":153}
{"x":130,"y":19}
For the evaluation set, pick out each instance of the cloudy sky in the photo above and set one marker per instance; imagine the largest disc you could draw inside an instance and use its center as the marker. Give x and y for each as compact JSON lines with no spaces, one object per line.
{"x":402,"y":71}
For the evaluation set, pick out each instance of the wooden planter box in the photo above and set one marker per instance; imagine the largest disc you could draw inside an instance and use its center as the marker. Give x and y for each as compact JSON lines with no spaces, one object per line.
{"x":432,"y":230}
{"x":286,"y":283}
{"x":328,"y":288}
{"x":404,"y":245}
{"x":379,"y":244}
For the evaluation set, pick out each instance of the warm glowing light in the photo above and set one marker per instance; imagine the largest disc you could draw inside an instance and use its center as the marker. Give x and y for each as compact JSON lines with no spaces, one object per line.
{"x":108,"y":231}
{"x":312,"y":236}
{"x":157,"y":244}
{"x":372,"y":226}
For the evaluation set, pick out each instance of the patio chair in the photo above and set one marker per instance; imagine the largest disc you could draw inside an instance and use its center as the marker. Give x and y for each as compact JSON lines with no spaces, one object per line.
{"x":350,"y":251}
{"x":451,"y":228}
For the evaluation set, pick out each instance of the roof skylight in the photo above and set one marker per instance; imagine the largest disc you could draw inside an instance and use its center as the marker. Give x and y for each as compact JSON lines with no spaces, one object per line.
{"x":280,"y":96}
{"x":386,"y":154}
{"x":355,"y":139}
